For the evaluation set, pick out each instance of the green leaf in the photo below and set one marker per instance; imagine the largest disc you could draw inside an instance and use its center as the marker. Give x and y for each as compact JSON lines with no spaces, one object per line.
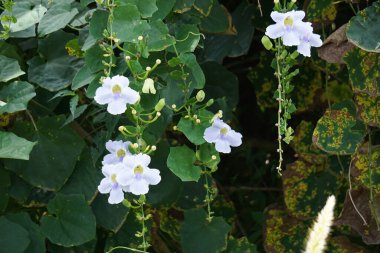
{"x":85,"y":178}
{"x":127,"y":23}
{"x":54,"y":69}
{"x":196,"y":78}
{"x":57,"y":17}
{"x":10,"y":69}
{"x":182,"y":6}
{"x":98,"y":24}
{"x":199,"y":235}
{"x":27,"y":14}
{"x":363,"y":69}
{"x":158,"y":37}
{"x":363,"y":29}
{"x":93,"y":58}
{"x":146,"y":8}
{"x":203,"y":7}
{"x":181,"y":163}
{"x":5,"y":183}
{"x":192,"y":130}
{"x":69,"y":221}
{"x":241,"y":245}
{"x":110,"y":217}
{"x":187,"y":37}
{"x":217,"y":20}
{"x":205,"y":153}
{"x":16,"y":96}
{"x":164,"y":8}
{"x":37,"y":240}
{"x":336,"y":132}
{"x":14,"y":147}
{"x":368,"y":108}
{"x":83,"y":77}
{"x":14,"y":238}
{"x":55,"y":154}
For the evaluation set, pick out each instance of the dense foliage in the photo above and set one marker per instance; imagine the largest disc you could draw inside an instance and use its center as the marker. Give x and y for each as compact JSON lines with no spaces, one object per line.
{"x":189,"y":67}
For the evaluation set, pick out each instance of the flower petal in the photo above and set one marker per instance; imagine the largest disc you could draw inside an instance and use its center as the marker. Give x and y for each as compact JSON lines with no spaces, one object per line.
{"x":130,"y":96}
{"x":275,"y":31}
{"x":222,"y":146}
{"x":105,"y":186}
{"x":315,"y":40}
{"x":116,"y":196}
{"x":291,"y":38}
{"x":277,"y":16}
{"x":304,"y":48}
{"x":126,"y":177}
{"x":152,"y":176}
{"x":297,"y":15}
{"x":234,"y":138}
{"x":116,"y":107}
{"x":103,"y":96}
{"x":110,"y":159}
{"x":211,"y":134}
{"x":143,"y":159}
{"x":120,"y":80}
{"x":139,"y":187}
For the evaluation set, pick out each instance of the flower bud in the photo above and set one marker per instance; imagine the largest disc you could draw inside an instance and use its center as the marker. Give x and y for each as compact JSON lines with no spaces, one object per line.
{"x":127,"y":58}
{"x":175,"y":128}
{"x":153,"y":148}
{"x":266,"y":42}
{"x":174,"y":106}
{"x":140,"y":38}
{"x":134,"y":112}
{"x":121,"y":128}
{"x":148,"y":86}
{"x":148,"y":68}
{"x":158,"y":61}
{"x":158,"y":114}
{"x":160,"y":105}
{"x":200,"y":96}
{"x":198,"y":121}
{"x":210,"y":102}
{"x":213,"y":157}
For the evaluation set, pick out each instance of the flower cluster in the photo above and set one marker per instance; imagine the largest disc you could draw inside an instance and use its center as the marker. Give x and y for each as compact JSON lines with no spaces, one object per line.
{"x":293,"y":31}
{"x":125,"y":172}
{"x":222,"y":135}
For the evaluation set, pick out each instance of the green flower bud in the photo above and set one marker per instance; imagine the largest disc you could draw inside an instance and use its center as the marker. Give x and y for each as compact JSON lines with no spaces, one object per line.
{"x":266,"y":42}
{"x":200,"y":96}
{"x":210,"y":102}
{"x":160,"y":105}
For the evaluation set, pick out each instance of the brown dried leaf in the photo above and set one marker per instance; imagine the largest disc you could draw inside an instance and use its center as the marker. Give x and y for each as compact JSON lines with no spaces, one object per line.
{"x":335,"y":46}
{"x":349,"y":216}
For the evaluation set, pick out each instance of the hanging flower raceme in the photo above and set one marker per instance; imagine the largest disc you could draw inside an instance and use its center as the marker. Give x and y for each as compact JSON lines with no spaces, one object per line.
{"x":222,"y":135}
{"x":114,"y":182}
{"x":117,"y":94}
{"x":118,"y":151}
{"x":293,"y":31}
{"x":138,"y":175}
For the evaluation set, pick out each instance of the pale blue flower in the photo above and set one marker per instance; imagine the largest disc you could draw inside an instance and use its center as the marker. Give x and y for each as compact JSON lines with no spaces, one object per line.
{"x":112,"y":183}
{"x":289,"y":26}
{"x":138,"y":175}
{"x":307,"y":41}
{"x":223,"y":136}
{"x":118,"y":151}
{"x":117,"y":94}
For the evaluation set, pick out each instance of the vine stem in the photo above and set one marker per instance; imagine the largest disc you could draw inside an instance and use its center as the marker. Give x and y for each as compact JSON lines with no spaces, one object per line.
{"x":371,"y":195}
{"x":208,"y":199}
{"x":143,"y":227}
{"x":279,"y":99}
{"x":126,"y":248}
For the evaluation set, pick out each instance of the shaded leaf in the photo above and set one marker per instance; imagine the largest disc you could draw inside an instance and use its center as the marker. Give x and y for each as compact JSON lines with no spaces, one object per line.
{"x":14,"y":238}
{"x":10,"y":69}
{"x":14,"y":147}
{"x":16,"y":96}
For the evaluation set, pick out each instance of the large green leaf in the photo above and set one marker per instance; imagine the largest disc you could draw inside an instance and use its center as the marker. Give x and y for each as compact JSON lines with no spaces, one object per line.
{"x":363,"y":29}
{"x":196,"y":77}
{"x":364,"y":72}
{"x":146,"y":8}
{"x":69,"y":221}
{"x":187,"y":37}
{"x":83,"y":77}
{"x":181,"y":163}
{"x":201,"y":236}
{"x":85,"y":178}
{"x":14,"y":238}
{"x":194,"y":131}
{"x":27,"y":14}
{"x":54,"y":69}
{"x":98,"y":23}
{"x":111,"y":217}
{"x":217,"y":21}
{"x":158,"y":37}
{"x":164,"y":8}
{"x":10,"y":69}
{"x":338,"y":131}
{"x":16,"y":96}
{"x":5,"y":183}
{"x":14,"y":147}
{"x":37,"y":240}
{"x":127,"y":23}
{"x":53,"y":159}
{"x":57,"y":17}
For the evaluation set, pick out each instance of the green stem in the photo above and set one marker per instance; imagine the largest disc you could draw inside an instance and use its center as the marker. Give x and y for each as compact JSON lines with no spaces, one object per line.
{"x":279,"y":112}
{"x":126,"y":248}
{"x":208,"y":199}
{"x":143,"y":227}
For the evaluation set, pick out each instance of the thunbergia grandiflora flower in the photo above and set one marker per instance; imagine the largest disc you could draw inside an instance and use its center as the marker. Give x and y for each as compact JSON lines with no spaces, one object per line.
{"x":131,"y":175}
{"x":118,"y":151}
{"x":114,"y":182}
{"x":117,"y":94}
{"x":223,"y":136}
{"x":138,"y":176}
{"x":293,"y":31}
